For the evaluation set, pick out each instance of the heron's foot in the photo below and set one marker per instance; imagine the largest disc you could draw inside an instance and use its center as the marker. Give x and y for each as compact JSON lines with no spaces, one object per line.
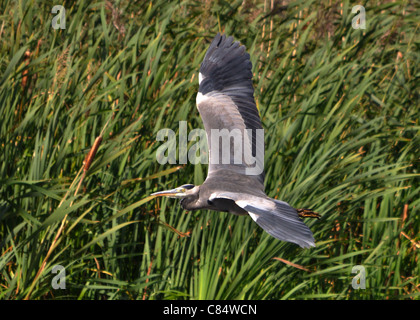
{"x":308,"y":213}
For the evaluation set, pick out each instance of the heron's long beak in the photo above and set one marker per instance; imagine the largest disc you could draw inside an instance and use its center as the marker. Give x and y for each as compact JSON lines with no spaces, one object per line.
{"x":173,"y":193}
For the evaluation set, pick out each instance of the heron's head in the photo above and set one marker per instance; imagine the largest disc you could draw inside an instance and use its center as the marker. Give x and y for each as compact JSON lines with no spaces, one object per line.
{"x":180,"y":192}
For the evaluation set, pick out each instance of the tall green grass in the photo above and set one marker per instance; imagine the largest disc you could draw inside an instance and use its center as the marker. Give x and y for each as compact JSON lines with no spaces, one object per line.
{"x":340,"y":112}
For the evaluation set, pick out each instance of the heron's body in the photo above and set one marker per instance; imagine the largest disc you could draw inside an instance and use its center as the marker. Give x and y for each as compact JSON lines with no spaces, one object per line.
{"x":231,"y":180}
{"x":226,"y":102}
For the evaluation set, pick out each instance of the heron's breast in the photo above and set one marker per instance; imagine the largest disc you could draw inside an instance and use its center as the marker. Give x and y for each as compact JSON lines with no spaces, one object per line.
{"x":227,"y":205}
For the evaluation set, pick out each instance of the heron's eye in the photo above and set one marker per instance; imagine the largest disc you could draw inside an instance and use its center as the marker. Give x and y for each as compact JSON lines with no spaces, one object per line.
{"x":187,"y":186}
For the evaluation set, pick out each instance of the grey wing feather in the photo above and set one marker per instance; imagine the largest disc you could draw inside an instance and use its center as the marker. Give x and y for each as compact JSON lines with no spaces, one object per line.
{"x":282,"y":223}
{"x":277,"y":218}
{"x":226,"y":94}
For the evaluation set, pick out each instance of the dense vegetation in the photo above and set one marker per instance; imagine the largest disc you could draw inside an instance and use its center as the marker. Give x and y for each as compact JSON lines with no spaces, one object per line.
{"x":340,"y":108}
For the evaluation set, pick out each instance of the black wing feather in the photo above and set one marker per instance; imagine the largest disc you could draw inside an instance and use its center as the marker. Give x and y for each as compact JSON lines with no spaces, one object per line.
{"x":227,"y":69}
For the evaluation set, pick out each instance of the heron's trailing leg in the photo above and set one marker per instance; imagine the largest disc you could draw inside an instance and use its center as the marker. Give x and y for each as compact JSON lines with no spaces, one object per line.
{"x":308,"y":213}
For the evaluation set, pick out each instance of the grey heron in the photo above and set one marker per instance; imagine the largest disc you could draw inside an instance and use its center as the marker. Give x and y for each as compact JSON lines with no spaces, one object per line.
{"x":225,"y":100}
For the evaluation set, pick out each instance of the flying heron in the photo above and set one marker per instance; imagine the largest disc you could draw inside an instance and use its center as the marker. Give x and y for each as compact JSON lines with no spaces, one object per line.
{"x":225,"y":100}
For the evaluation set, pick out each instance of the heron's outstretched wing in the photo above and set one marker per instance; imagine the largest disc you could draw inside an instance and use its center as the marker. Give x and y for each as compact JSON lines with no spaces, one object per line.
{"x":226,"y":101}
{"x":276,"y":217}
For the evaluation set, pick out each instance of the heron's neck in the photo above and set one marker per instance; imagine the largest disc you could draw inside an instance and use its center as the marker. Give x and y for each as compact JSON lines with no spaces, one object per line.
{"x":194,"y":202}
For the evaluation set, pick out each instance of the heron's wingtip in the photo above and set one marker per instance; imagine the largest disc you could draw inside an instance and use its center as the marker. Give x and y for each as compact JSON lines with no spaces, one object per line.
{"x":307,"y":245}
